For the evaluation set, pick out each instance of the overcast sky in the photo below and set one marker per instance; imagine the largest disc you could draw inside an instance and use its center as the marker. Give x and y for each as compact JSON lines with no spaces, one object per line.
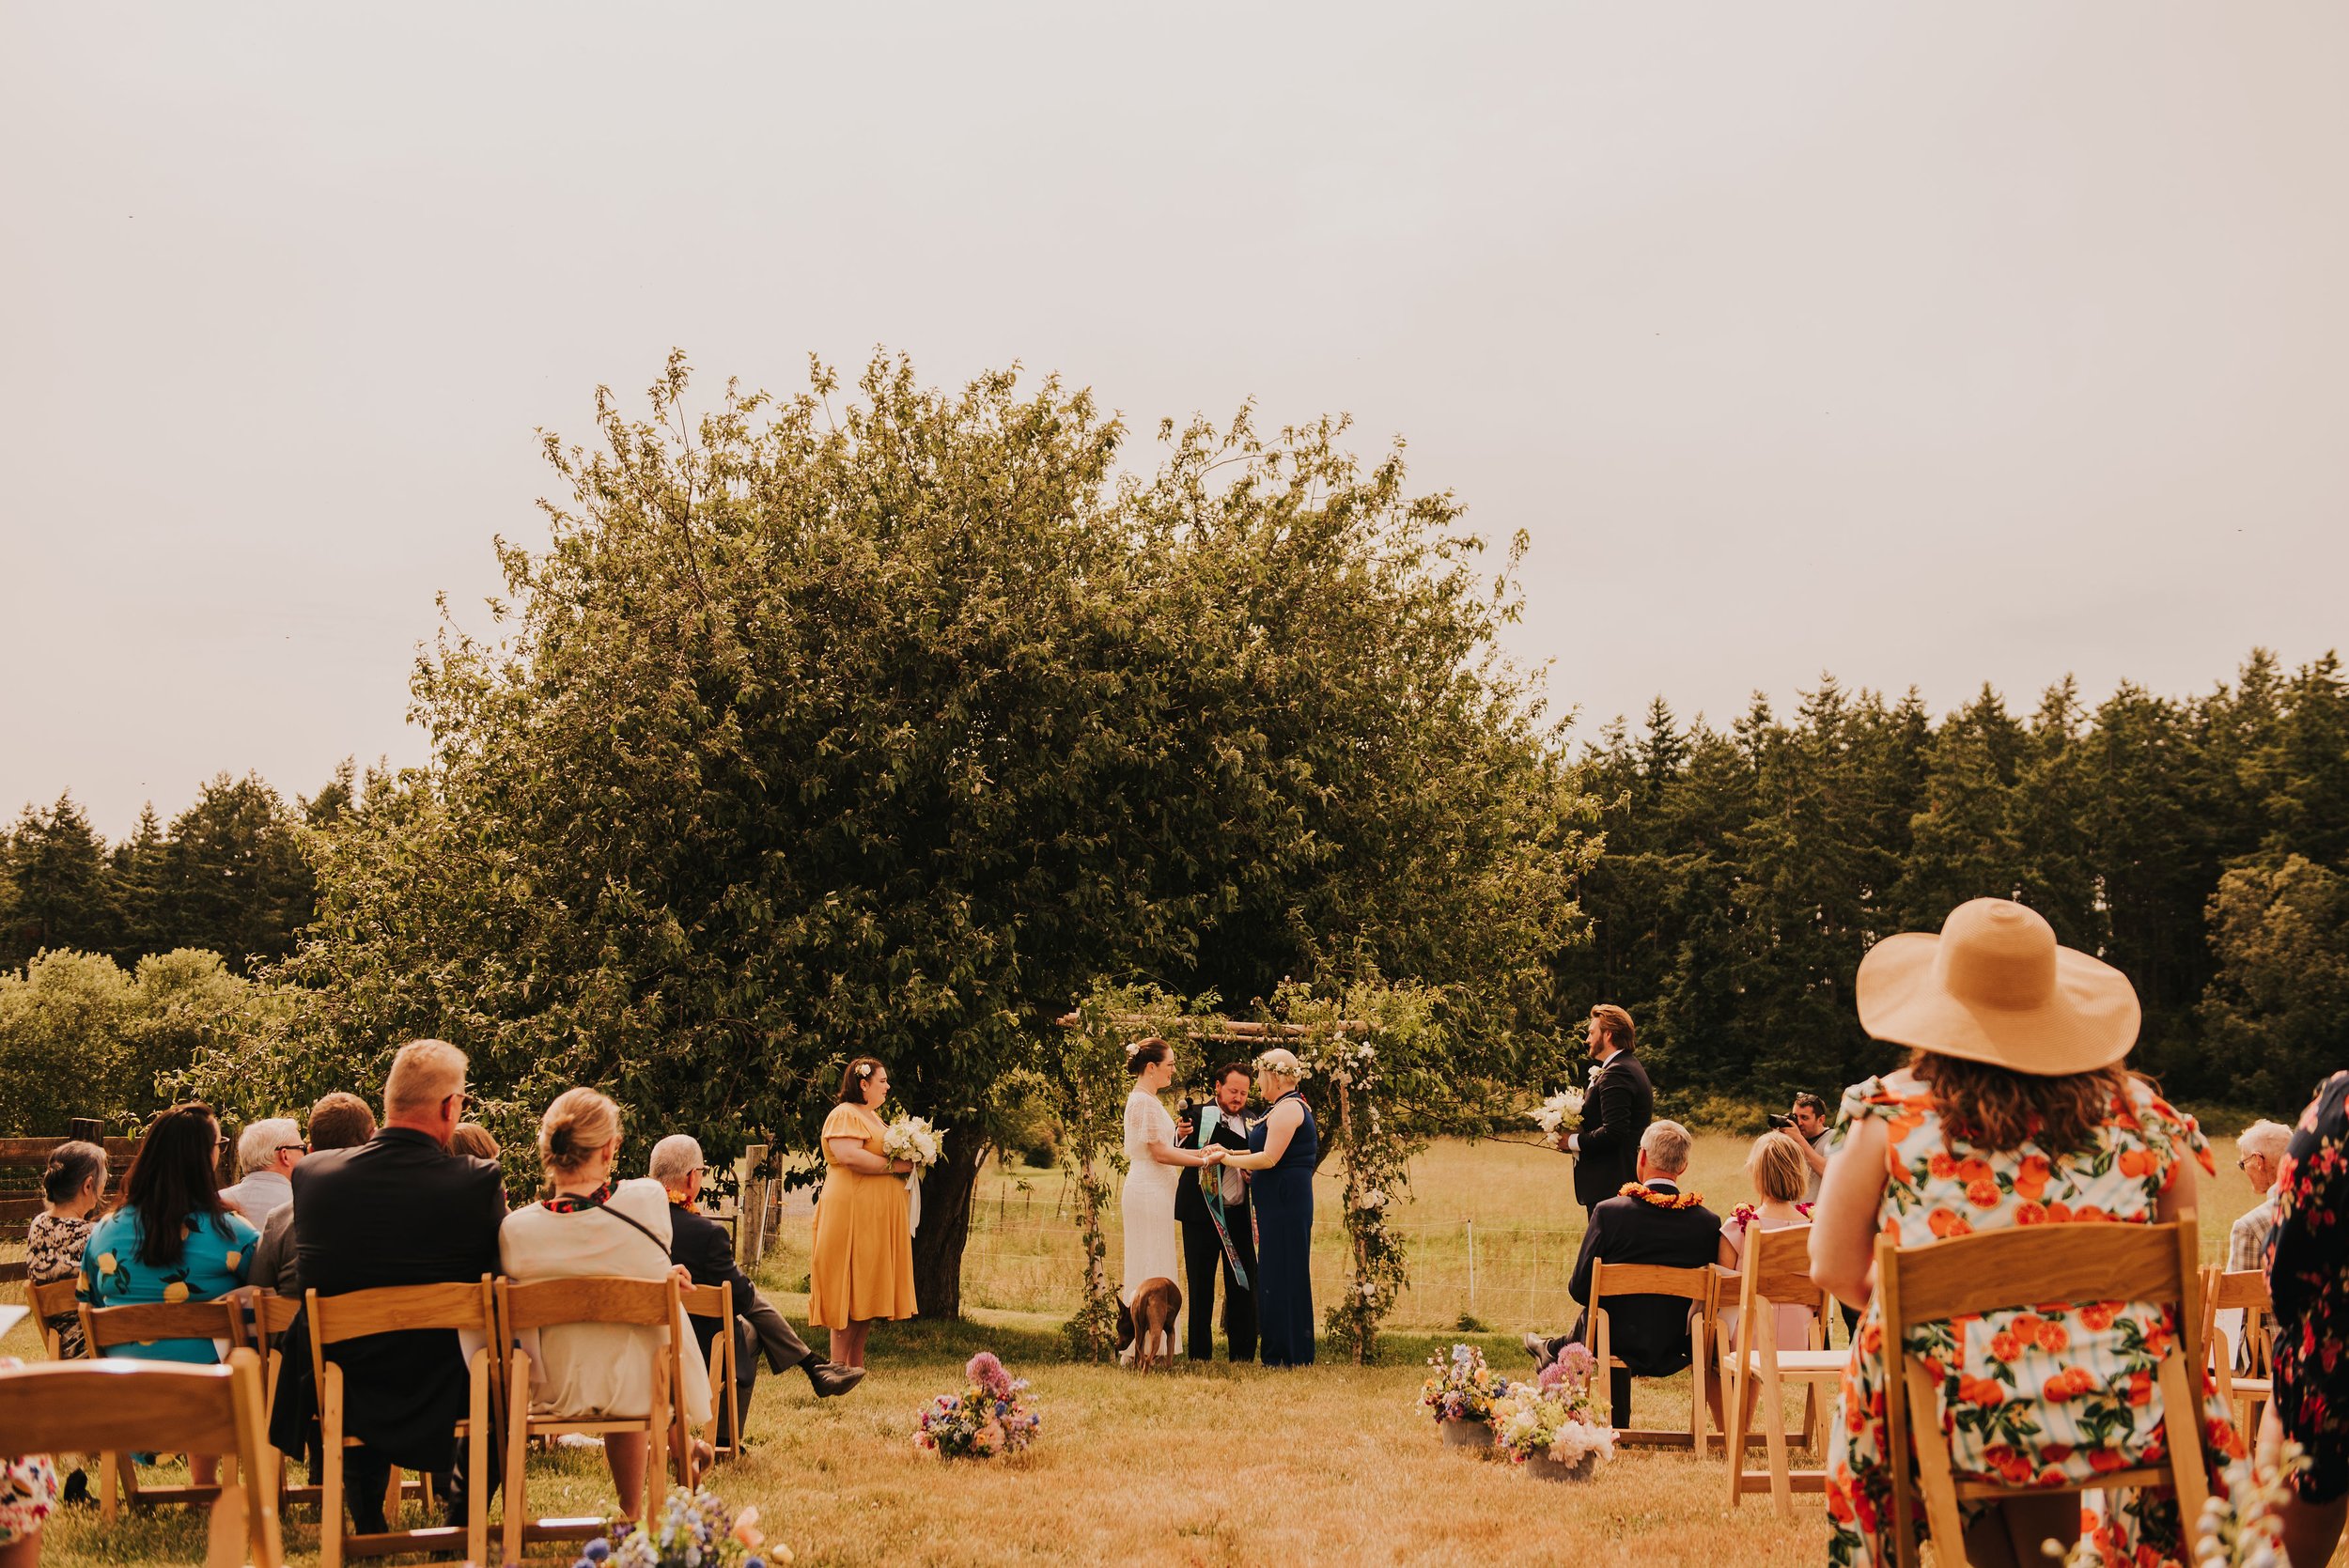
{"x":1928,"y":344}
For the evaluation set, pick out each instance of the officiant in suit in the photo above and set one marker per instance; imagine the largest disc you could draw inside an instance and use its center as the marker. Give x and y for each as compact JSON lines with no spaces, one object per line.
{"x":1218,"y":1236}
{"x":1616,"y":1111}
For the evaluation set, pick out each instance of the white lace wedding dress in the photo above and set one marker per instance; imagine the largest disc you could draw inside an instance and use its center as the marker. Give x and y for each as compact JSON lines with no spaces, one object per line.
{"x":1148,"y":1204}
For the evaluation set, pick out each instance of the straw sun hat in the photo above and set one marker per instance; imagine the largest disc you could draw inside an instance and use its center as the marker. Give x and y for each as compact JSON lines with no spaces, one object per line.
{"x":1994,"y":986}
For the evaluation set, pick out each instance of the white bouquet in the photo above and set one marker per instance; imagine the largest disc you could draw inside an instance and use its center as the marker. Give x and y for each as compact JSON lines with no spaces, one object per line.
{"x":915,"y":1142}
{"x":1552,"y":1117}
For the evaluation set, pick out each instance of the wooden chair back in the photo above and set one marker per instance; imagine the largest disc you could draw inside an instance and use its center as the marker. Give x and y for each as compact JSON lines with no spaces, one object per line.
{"x":716,"y":1301}
{"x":541,"y":1304}
{"x":1699,"y":1286}
{"x":105,"y":1329}
{"x":357,"y":1314}
{"x":2244,"y":1291}
{"x":54,"y":1300}
{"x":2024,"y":1268}
{"x":123,"y":1406}
{"x":1776,"y":1272}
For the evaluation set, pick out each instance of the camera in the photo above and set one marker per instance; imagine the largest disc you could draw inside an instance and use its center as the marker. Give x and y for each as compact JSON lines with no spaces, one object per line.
{"x":1780,"y":1119}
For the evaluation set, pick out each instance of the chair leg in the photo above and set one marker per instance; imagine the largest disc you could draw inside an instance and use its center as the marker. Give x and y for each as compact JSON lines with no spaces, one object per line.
{"x":477,"y":1463}
{"x":1942,"y":1519}
{"x":1774,"y":1434}
{"x":511,"y":1545}
{"x":331,"y":1462}
{"x":1734,"y":1402}
{"x":2182,"y":1414}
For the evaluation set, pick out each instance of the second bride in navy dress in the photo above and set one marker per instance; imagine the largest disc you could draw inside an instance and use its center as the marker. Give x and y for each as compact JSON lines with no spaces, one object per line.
{"x":1284,"y":1146}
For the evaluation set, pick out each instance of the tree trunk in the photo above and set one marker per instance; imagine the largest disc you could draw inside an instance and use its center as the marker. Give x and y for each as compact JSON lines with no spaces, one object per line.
{"x":946,"y":1192}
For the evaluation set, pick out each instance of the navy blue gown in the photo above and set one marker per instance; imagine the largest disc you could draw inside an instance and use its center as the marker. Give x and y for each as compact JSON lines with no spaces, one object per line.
{"x":1283,"y":1199}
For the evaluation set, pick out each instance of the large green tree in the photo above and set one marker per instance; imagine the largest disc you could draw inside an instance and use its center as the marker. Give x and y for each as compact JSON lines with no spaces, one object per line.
{"x":889,"y":730}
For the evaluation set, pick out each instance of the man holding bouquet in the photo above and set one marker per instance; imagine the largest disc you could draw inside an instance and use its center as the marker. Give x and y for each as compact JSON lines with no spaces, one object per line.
{"x":1219,"y":1236}
{"x":1616,"y":1112}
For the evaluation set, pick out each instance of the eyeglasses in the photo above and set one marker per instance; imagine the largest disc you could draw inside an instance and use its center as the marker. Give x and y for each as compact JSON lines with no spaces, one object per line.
{"x":304,"y":1146}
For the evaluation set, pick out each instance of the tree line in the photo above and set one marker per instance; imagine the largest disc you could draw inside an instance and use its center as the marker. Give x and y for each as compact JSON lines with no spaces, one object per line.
{"x":231,"y":875}
{"x":2198,"y":844}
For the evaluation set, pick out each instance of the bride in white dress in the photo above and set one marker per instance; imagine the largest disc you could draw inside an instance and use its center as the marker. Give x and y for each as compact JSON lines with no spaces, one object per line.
{"x":1153,"y":1169}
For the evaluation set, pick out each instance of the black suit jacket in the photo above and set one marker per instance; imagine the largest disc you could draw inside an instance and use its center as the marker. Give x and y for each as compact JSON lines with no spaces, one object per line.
{"x":1615,"y":1114}
{"x":398,"y":1210}
{"x":705,"y":1249}
{"x":1648,"y":1333}
{"x":1190,"y":1202}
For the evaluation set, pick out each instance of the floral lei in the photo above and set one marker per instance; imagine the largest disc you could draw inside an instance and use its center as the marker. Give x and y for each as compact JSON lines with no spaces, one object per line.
{"x":1744,"y":1215}
{"x":1656,"y":1200}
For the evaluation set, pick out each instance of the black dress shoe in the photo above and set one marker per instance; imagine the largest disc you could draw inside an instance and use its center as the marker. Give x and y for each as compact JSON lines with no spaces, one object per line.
{"x":829,"y":1380}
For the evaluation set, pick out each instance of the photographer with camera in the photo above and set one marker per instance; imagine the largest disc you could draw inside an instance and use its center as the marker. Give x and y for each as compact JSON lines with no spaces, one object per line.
{"x":1809,"y":1122}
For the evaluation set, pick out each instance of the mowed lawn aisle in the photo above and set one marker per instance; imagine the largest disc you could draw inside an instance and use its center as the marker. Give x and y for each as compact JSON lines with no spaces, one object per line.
{"x":1331,"y":1464}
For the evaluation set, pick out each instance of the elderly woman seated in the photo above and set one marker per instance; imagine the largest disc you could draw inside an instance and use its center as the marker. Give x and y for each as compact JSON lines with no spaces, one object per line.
{"x":593,"y":1226}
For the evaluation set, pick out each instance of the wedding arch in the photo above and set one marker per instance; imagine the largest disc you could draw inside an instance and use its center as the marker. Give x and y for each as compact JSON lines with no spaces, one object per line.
{"x":1372,"y":1054}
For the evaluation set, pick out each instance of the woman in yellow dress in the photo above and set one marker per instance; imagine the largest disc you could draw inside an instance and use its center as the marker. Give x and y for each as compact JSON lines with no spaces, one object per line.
{"x":862,"y":1266}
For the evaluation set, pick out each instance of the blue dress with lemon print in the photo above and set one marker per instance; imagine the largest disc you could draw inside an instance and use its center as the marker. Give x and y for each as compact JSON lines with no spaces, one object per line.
{"x":215,"y":1260}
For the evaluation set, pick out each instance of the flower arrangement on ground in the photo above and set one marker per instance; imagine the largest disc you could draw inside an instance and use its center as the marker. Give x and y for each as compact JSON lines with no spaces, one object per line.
{"x":992,"y":1415}
{"x":1553,"y":1417}
{"x":2240,"y":1529}
{"x":696,"y":1529}
{"x":1463,"y":1387}
{"x":1552,"y":1117}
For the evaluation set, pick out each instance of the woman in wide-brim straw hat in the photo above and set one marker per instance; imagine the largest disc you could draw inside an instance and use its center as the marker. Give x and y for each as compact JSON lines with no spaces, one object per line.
{"x":2014,"y":1109}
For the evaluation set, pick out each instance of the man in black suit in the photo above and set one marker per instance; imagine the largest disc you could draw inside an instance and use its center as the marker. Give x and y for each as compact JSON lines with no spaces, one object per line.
{"x":706,"y":1251}
{"x":398,"y":1210}
{"x":1205,"y":1252}
{"x":1649,"y":1334}
{"x":1616,"y":1111}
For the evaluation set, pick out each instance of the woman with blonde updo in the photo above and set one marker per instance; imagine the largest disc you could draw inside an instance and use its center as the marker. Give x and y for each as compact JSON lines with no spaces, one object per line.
{"x":1284,"y":1145}
{"x":862,"y":1263}
{"x":591,"y":1225}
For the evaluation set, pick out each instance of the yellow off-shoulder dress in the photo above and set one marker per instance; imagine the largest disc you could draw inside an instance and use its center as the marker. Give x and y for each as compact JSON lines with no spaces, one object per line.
{"x":862,"y":1263}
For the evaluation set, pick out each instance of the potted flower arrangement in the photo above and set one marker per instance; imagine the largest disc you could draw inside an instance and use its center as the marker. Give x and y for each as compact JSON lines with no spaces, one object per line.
{"x":695,"y":1530}
{"x":992,"y":1415}
{"x":1550,"y":1425}
{"x":1461,"y":1395}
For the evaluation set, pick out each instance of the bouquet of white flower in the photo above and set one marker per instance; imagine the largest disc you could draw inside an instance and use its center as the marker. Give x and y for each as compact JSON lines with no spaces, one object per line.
{"x":1552,"y":1117}
{"x":915,"y":1142}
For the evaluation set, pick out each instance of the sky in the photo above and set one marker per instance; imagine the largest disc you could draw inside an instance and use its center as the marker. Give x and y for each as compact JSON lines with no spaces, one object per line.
{"x":1929,"y":344}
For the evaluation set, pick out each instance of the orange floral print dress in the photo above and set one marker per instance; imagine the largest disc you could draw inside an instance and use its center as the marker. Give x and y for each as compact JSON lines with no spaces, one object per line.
{"x":2055,"y":1397}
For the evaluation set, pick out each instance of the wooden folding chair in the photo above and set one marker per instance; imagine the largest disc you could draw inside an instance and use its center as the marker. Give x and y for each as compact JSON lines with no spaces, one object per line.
{"x":2076,"y":1265}
{"x":2247,"y":1292}
{"x":355,"y":1314}
{"x":119,"y":1407}
{"x":264,"y":1317}
{"x":600,"y":1298}
{"x":103,"y":1330}
{"x":54,"y":1300}
{"x":1777,"y":1273}
{"x":1695,"y":1285}
{"x":726,"y":1441}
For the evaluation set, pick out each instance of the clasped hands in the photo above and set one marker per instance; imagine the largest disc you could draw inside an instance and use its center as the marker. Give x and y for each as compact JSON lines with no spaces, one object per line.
{"x":1214,"y":1153}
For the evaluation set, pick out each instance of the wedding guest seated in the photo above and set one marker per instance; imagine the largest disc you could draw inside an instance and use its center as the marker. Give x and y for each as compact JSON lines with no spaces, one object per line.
{"x":1781,"y":1176}
{"x":1650,"y":1222}
{"x":593,"y":1225}
{"x":705,"y":1249}
{"x":28,"y":1495}
{"x":398,"y":1210}
{"x":2307,"y":1277}
{"x":265,"y":1150}
{"x":338,"y":1121}
{"x":170,"y":1239}
{"x":71,"y":1187}
{"x":473,"y":1140}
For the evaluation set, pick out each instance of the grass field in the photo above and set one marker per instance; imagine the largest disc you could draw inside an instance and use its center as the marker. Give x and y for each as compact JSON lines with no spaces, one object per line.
{"x":1203,"y":1466}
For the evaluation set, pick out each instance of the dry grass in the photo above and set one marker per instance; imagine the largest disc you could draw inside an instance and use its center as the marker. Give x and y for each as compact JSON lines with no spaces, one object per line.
{"x":1217,"y":1464}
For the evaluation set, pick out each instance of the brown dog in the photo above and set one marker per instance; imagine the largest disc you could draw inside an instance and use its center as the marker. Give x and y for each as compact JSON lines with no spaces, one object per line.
{"x":1145,"y":1330}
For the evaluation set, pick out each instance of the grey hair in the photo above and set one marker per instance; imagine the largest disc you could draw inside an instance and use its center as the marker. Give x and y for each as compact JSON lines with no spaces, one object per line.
{"x":260,"y":1140}
{"x":672,"y":1158}
{"x":1666,"y":1146}
{"x":2268,"y":1140}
